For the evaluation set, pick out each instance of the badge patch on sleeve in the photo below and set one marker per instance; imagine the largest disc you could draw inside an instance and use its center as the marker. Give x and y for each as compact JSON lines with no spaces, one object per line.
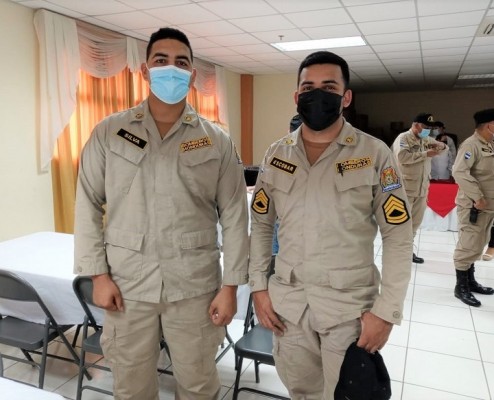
{"x":196,"y":144}
{"x":389,"y":179}
{"x":468,"y":155}
{"x":283,"y":165}
{"x":352,"y":164}
{"x":395,"y":211}
{"x":129,"y":137}
{"x":261,"y":202}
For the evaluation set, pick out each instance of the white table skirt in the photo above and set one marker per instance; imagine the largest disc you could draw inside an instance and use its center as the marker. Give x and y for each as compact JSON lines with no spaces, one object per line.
{"x":434,"y":222}
{"x":45,"y":260}
{"x":11,"y":390}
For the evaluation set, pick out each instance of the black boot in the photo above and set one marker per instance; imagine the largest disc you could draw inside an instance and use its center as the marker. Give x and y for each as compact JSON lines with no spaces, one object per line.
{"x":475,"y":286}
{"x":417,"y":260}
{"x":462,"y":291}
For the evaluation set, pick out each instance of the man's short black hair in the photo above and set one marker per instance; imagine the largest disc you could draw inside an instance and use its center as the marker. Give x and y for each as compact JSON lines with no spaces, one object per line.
{"x":168,"y":33}
{"x":325,"y":57}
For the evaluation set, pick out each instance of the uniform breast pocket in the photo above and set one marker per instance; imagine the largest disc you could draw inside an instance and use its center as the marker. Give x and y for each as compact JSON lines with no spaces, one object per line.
{"x":355,"y":196}
{"x":199,"y":171}
{"x":280,"y":185}
{"x":123,"y":253}
{"x":122,"y":164}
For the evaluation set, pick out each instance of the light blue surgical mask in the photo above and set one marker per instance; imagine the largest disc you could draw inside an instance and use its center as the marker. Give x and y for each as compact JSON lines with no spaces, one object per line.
{"x":434,"y":133}
{"x":424,"y":133}
{"x":169,"y":83}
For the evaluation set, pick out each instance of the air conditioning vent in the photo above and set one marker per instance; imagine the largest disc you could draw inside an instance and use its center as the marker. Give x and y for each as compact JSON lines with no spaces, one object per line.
{"x":486,"y":27}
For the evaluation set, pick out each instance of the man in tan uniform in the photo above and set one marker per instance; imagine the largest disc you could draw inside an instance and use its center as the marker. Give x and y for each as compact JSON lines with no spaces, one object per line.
{"x":473,"y":171}
{"x":414,"y":149}
{"x":331,"y":186}
{"x":162,"y":176}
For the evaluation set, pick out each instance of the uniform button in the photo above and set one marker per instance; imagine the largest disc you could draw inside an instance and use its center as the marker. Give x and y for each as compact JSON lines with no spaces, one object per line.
{"x":139,"y":115}
{"x":188,"y":118}
{"x":396,"y":314}
{"x":251,"y":283}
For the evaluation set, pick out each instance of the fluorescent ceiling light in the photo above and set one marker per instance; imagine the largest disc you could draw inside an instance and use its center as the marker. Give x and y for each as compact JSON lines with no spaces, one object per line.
{"x":320,"y":44}
{"x":477,"y":76}
{"x":474,"y":85}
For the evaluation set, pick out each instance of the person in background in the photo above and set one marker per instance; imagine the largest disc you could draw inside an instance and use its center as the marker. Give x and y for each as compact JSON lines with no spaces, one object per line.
{"x":474,"y":173}
{"x":162,"y":177}
{"x":489,"y":252}
{"x":414,"y":150}
{"x":442,"y":164}
{"x":439,"y":128}
{"x":331,"y":187}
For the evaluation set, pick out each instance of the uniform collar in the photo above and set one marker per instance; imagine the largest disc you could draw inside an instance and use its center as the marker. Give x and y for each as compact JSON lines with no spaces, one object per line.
{"x":480,"y":137}
{"x":141,"y":112}
{"x":346,"y":137}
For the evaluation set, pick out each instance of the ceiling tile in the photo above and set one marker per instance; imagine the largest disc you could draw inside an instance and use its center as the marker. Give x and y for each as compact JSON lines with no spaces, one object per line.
{"x":382,"y":12}
{"x":451,"y":20}
{"x":403,"y":61}
{"x":326,"y":32}
{"x":310,"y":19}
{"x":36,"y":4}
{"x":201,"y":43}
{"x":448,"y":33}
{"x":93,"y":7}
{"x":215,"y":28}
{"x":391,"y":26}
{"x":234,"y":40}
{"x":238,"y":9}
{"x":147,"y":4}
{"x":412,"y":54}
{"x":184,"y":14}
{"x":103,"y":24}
{"x":132,"y":20}
{"x":288,"y":35}
{"x":484,"y":40}
{"x":289,"y":6}
{"x":402,"y":37}
{"x":254,"y":48}
{"x":261,"y":24}
{"x":396,"y":47}
{"x":446,"y":43}
{"x":445,"y":52}
{"x":215,"y":51}
{"x":438,"y":7}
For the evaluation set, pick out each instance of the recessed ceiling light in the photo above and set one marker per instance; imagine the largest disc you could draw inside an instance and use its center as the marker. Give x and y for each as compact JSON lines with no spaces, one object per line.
{"x":320,"y":44}
{"x":476,"y":76}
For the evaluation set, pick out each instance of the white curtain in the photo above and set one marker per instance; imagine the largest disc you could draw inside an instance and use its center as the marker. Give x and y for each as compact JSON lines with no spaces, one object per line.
{"x":67,"y":45}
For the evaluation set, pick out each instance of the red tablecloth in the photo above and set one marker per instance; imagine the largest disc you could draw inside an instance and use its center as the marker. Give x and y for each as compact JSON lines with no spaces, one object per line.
{"x":441,"y":198}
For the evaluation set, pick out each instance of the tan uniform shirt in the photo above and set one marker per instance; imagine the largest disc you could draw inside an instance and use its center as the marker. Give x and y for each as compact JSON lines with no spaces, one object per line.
{"x":163,"y":199}
{"x":329,"y":214}
{"x":473,"y":171}
{"x":415,"y":166}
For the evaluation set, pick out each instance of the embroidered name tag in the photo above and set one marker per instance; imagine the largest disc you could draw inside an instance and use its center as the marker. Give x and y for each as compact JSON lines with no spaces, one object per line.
{"x":352,"y":164}
{"x":137,"y":141}
{"x":283,"y":165}
{"x":196,"y":144}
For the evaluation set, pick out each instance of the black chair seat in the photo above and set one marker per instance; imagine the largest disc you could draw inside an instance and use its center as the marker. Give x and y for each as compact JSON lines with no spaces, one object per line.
{"x":256,"y":344}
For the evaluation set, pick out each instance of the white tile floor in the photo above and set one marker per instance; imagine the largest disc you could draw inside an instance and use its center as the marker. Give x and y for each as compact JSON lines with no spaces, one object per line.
{"x":444,"y":350}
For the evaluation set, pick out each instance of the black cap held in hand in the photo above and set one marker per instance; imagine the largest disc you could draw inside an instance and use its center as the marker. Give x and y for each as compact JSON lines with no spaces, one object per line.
{"x":363,"y":376}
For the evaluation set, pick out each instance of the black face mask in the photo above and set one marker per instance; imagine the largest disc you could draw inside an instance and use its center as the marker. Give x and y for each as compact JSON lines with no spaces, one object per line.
{"x":319,"y":109}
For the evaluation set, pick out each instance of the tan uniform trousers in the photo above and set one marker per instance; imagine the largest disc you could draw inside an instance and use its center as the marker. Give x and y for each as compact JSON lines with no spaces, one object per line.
{"x":472,"y":238}
{"x":308,"y":361}
{"x":130,"y":344}
{"x":418,"y":206}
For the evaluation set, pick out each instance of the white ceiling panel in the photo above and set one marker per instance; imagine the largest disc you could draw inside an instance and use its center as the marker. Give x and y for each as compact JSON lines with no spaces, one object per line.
{"x":423,"y":43}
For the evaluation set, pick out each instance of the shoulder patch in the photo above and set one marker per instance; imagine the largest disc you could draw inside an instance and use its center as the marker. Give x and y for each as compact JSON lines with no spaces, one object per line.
{"x":196,"y":144}
{"x":389,"y":179}
{"x":395,"y":210}
{"x":283,"y":165}
{"x":129,"y":137}
{"x":468,"y":155}
{"x":260,"y":204}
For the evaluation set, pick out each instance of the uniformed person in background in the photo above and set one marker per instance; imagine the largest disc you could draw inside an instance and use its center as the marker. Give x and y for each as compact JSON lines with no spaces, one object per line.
{"x":163,"y":176}
{"x":413,"y":150}
{"x":474,"y":173}
{"x":331,"y":186}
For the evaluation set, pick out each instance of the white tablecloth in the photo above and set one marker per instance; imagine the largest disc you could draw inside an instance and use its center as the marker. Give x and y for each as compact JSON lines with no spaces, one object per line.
{"x":434,"y":222}
{"x":45,"y":260}
{"x":11,"y":390}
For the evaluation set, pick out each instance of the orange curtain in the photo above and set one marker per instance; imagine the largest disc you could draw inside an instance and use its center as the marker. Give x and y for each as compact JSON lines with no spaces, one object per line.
{"x":96,"y":99}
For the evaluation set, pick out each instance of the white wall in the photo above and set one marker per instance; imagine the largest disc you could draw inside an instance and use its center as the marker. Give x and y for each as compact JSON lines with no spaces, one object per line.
{"x":26,"y":201}
{"x":233,"y":95}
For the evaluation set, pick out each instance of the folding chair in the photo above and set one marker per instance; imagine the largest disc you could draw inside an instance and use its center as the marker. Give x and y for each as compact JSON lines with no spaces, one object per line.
{"x":29,"y":336}
{"x":83,"y":289}
{"x":256,"y":344}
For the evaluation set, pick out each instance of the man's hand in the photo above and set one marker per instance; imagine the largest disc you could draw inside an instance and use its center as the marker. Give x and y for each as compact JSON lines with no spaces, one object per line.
{"x":224,"y":306}
{"x":432,"y":152}
{"x":265,"y":313}
{"x":480,"y":204}
{"x":375,"y":332}
{"x":106,"y":293}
